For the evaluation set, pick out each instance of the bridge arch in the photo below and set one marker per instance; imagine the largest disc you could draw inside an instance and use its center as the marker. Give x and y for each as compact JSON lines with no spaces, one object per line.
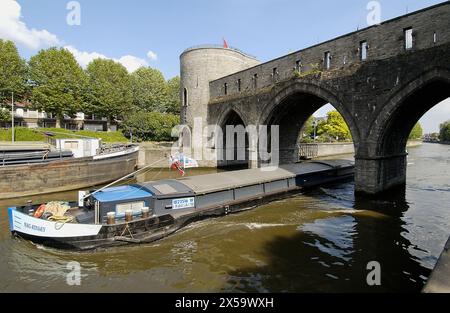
{"x":404,"y":109}
{"x":386,"y":149}
{"x":239,"y":156}
{"x":228,"y":114}
{"x":293,"y":105}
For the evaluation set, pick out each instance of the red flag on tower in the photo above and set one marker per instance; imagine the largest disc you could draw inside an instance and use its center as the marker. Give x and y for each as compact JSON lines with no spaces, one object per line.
{"x":225,"y":43}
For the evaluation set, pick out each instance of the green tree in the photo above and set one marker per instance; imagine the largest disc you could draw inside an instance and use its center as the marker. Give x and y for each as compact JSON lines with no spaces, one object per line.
{"x":13,"y":71}
{"x":151,"y":126}
{"x":109,"y":91}
{"x":174,"y":102}
{"x":307,"y":131}
{"x":150,"y":91}
{"x":434,"y":137}
{"x":444,"y":134}
{"x":58,"y":83}
{"x":5,"y":115}
{"x":335,"y":127}
{"x":416,"y":132}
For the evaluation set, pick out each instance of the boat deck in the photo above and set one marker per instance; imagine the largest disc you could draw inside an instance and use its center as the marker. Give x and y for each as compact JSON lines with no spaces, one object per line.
{"x":236,"y":179}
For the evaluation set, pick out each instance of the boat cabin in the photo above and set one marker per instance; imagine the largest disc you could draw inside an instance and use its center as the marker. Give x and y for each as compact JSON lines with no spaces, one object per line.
{"x":158,"y":197}
{"x":80,"y":147}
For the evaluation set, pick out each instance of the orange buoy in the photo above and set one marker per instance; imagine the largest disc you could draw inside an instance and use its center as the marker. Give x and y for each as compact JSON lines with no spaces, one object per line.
{"x":40,"y":211}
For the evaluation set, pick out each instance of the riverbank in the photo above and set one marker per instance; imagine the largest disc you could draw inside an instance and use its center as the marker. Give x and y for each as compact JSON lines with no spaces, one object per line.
{"x":27,"y":135}
{"x":151,"y":152}
{"x":414,"y":143}
{"x":439,"y":142}
{"x":439,"y":281}
{"x":321,"y":150}
{"x":157,"y":153}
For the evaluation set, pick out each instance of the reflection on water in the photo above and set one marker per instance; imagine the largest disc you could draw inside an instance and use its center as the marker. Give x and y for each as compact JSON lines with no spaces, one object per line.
{"x":334,"y":236}
{"x":319,"y":241}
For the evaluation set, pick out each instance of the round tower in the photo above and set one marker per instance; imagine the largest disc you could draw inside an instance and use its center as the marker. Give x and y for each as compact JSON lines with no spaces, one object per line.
{"x":200,"y":65}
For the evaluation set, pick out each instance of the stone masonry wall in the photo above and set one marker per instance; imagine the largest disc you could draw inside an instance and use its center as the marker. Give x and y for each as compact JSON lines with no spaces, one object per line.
{"x":384,"y":41}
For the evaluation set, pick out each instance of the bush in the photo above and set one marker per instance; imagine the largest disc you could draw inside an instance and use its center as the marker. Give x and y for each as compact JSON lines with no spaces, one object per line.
{"x":151,"y":126}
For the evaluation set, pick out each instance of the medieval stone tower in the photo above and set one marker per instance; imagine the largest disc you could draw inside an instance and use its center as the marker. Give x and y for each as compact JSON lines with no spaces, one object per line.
{"x":199,"y":66}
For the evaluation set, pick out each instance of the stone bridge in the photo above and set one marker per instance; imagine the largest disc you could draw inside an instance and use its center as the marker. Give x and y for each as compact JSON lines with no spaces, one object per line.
{"x":382,"y":80}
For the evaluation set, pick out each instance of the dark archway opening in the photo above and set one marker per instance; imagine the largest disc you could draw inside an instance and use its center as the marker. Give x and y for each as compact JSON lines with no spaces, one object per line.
{"x":234,"y":154}
{"x":291,"y":115}
{"x":395,"y":134}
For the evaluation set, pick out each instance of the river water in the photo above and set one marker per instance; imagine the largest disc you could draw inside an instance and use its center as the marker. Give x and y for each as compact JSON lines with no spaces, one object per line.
{"x":320,"y":241}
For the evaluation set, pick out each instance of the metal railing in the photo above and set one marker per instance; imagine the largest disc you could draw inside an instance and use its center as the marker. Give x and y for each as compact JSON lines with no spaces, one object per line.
{"x":308,"y":151}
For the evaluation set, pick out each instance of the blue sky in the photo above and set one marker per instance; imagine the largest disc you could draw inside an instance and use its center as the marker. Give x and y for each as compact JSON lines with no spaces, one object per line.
{"x":128,"y":30}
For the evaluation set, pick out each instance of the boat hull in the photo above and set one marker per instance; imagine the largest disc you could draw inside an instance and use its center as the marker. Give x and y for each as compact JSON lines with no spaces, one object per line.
{"x":163,"y":223}
{"x":57,"y":176}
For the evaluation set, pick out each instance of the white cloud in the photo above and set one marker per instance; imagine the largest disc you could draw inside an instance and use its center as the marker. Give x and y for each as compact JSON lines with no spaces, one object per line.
{"x":12,"y":28}
{"x":130,"y":62}
{"x":322,"y":112}
{"x":83,"y":57}
{"x":152,"y":55}
{"x":434,"y":117}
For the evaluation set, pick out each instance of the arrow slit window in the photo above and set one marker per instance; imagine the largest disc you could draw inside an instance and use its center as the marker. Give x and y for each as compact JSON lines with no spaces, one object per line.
{"x":408,"y":38}
{"x":327,"y":60}
{"x":363,"y":50}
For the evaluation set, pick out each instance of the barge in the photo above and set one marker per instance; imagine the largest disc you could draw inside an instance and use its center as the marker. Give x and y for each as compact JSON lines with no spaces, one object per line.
{"x":70,"y":165}
{"x":145,"y":212}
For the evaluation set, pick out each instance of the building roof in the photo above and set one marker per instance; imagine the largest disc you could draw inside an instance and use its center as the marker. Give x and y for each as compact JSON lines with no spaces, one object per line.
{"x":198,"y":47}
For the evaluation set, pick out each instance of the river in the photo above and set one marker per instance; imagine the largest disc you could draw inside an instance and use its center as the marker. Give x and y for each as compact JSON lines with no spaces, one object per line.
{"x":320,"y":241}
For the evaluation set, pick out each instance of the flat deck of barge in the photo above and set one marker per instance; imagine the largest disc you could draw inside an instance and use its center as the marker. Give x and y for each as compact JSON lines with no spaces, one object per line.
{"x":236,"y":179}
{"x":244,"y":187}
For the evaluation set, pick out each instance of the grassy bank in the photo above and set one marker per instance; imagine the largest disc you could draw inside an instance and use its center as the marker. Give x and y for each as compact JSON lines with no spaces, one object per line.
{"x":27,"y":134}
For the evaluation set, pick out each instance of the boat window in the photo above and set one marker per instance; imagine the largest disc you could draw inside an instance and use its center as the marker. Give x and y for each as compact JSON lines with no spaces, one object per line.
{"x":134,"y":206}
{"x":71,"y":145}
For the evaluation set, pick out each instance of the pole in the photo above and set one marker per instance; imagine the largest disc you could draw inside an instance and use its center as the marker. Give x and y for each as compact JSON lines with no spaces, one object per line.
{"x":120,"y":179}
{"x":12,"y":116}
{"x":315,"y":125}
